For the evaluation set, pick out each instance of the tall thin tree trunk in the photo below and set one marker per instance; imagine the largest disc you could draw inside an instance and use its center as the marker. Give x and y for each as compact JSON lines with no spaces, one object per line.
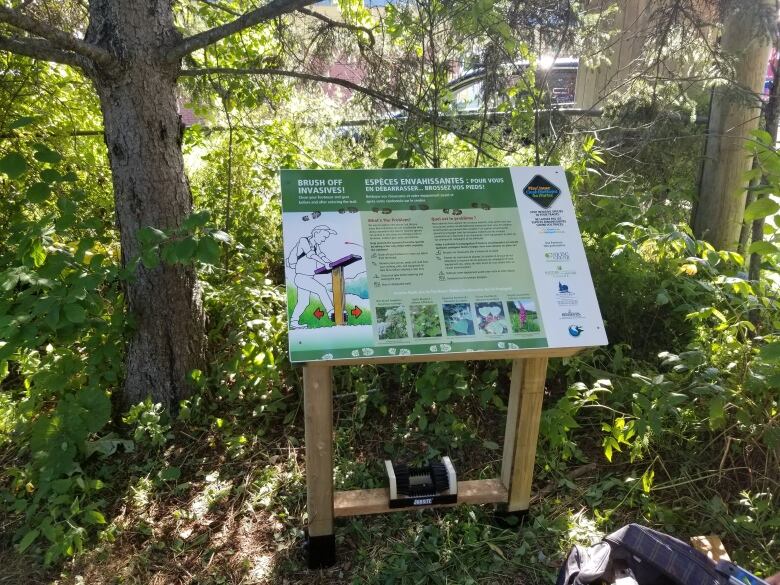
{"x":772,"y":121}
{"x":735,"y":113}
{"x":143,"y":135}
{"x":745,"y":229}
{"x":229,"y":194}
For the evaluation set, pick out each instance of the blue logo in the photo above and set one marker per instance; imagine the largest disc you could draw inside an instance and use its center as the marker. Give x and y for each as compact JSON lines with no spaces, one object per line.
{"x":541,"y":191}
{"x":575,"y":330}
{"x":563,"y":288}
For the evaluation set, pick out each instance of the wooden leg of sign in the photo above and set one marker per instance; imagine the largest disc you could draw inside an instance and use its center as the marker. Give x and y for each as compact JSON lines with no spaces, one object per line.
{"x":318,"y":421}
{"x":522,"y":429}
{"x":337,"y":278}
{"x":711,"y":546}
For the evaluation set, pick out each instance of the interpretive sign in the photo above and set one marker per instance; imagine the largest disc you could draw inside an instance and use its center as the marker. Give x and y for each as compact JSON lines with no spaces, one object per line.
{"x":426,"y":261}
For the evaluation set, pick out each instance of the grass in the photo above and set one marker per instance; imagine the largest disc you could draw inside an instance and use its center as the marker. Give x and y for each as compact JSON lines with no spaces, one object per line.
{"x":234,"y":511}
{"x":308,"y":317}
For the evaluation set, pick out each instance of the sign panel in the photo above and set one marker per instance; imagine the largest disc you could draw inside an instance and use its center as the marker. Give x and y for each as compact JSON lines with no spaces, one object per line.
{"x":423,"y":261}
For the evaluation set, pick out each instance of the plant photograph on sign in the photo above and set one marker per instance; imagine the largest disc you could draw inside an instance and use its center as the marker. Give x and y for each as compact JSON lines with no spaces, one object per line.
{"x":425,"y":321}
{"x":523,"y":316}
{"x":491,"y":318}
{"x":458,"y":318}
{"x":391,"y":322}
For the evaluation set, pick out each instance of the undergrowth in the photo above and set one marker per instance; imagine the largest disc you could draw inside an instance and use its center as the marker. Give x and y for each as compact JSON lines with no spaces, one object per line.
{"x":675,"y":424}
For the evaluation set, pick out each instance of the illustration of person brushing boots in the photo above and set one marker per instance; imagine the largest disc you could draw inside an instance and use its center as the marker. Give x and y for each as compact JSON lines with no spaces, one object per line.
{"x":305,"y":258}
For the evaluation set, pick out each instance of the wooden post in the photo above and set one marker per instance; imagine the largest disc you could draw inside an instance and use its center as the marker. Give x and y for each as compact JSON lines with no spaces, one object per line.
{"x":318,"y":420}
{"x":734,"y":113}
{"x":623,"y":52}
{"x":524,"y":410}
{"x":339,"y":302}
{"x":512,"y":489}
{"x":336,"y":271}
{"x":711,"y":546}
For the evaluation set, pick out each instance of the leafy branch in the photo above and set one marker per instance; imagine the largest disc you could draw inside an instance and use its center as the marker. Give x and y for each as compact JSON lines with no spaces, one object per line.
{"x":337,"y":24}
{"x":368,"y":91}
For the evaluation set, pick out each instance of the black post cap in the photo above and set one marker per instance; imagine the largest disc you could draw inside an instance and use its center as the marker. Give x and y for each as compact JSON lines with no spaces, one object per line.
{"x":320,"y":550}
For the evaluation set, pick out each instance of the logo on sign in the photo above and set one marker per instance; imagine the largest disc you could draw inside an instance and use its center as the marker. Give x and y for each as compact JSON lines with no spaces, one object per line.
{"x":541,"y":191}
{"x":563,"y":288}
{"x":557,"y":256}
{"x":575,"y":330}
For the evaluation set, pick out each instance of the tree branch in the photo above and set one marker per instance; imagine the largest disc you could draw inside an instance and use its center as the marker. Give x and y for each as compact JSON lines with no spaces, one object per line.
{"x":221,"y":7}
{"x":266,"y":12}
{"x":58,"y":39}
{"x":387,"y":98}
{"x":378,"y":95}
{"x":335,"y":23}
{"x":40,"y":49}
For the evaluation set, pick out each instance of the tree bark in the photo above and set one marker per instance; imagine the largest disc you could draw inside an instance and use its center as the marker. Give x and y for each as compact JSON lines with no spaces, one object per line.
{"x":143,"y":135}
{"x":132,"y":53}
{"x":718,"y":213}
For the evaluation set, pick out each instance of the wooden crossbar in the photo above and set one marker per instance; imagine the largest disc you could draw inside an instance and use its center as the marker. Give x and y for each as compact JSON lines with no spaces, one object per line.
{"x":376,"y":501}
{"x":503,"y":354}
{"x":512,"y":489}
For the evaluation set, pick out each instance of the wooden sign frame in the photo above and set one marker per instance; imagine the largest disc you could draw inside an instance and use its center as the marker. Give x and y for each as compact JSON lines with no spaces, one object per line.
{"x":512,"y":490}
{"x":548,"y":271}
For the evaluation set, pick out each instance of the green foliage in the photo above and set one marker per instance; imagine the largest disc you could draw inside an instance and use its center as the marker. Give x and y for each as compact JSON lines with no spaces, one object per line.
{"x":459,"y":544}
{"x":391,"y":322}
{"x":61,"y":314}
{"x":442,"y":389}
{"x":249,"y":350}
{"x":678,"y":414}
{"x":640,"y":167}
{"x":61,"y":323}
{"x":766,"y":178}
{"x":149,"y":423}
{"x":719,"y":366}
{"x":194,"y":241}
{"x":761,"y":208}
{"x":13,"y":165}
{"x":637,"y":273}
{"x":558,"y":421}
{"x":425,"y":321}
{"x":720,"y":382}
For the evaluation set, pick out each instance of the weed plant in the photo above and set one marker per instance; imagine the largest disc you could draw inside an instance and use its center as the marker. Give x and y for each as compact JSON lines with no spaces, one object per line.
{"x":425,"y":321}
